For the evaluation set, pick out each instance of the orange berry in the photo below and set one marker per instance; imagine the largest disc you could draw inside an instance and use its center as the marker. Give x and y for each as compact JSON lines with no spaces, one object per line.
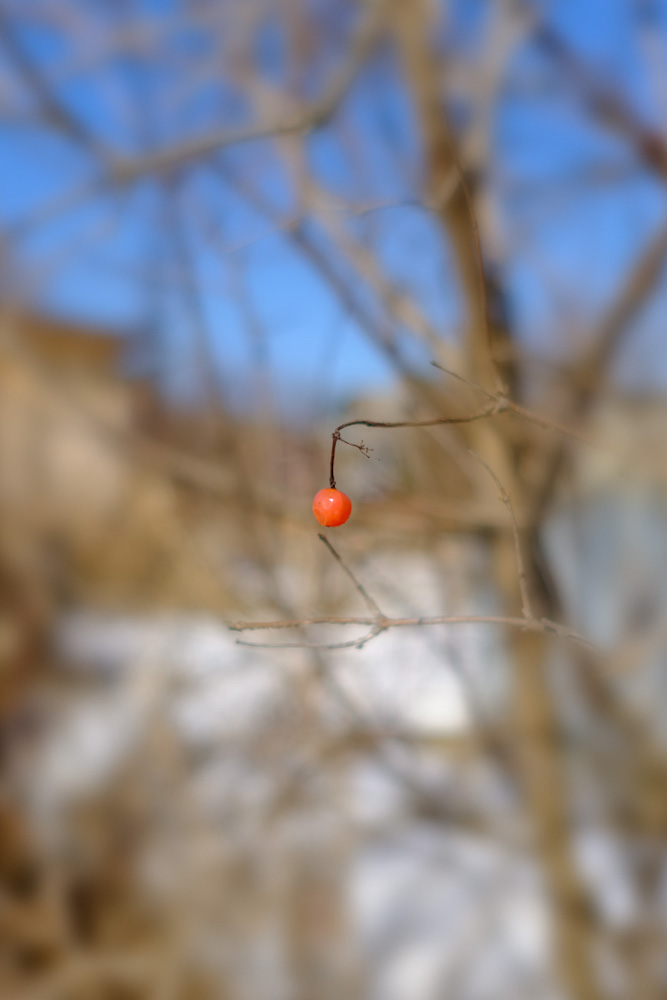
{"x":331,"y":508}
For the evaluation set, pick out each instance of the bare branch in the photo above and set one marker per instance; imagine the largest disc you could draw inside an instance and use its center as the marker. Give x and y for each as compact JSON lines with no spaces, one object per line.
{"x":507,"y":405}
{"x":299,"y":122}
{"x":335,"y":436}
{"x":381,"y":624}
{"x":346,"y":569}
{"x":605,"y":102}
{"x":504,"y":496}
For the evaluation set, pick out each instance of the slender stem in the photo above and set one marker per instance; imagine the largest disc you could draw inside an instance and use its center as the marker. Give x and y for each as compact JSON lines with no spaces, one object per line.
{"x":346,"y":569}
{"x":335,"y":438}
{"x":488,"y":411}
{"x":526,"y":608}
{"x":379,"y":623}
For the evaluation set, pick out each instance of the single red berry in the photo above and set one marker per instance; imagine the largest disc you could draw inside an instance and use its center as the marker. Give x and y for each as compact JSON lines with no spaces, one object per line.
{"x":331,"y":508}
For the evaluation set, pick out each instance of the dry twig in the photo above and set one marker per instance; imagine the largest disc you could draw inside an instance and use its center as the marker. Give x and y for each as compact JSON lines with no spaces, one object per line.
{"x":521,"y":572}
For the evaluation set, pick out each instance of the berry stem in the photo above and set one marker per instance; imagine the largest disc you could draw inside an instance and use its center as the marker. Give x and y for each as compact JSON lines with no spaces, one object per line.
{"x":489,"y":411}
{"x":335,"y":438}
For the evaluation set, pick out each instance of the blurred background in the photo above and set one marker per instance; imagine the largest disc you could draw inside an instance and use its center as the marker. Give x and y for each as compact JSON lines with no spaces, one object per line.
{"x":227,"y":226}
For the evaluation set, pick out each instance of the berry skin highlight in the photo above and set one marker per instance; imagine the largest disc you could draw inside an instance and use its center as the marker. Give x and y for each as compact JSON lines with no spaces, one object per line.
{"x":331,"y":507}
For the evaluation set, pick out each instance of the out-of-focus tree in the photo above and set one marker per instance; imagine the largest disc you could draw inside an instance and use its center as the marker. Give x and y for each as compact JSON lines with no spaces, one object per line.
{"x":278,"y":207}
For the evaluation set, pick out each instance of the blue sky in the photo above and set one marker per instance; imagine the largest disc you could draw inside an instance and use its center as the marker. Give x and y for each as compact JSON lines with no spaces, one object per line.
{"x":573,"y":203}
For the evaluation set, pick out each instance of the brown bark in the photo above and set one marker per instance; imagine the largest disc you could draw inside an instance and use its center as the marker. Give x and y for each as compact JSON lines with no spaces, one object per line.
{"x":538,"y":754}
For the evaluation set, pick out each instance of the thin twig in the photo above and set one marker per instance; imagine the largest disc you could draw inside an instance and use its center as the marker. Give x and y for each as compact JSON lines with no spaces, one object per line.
{"x":488,"y":411}
{"x":506,"y":405}
{"x":381,"y":624}
{"x":346,"y":569}
{"x":302,"y":121}
{"x":521,"y":572}
{"x":499,"y":403}
{"x":358,"y":643}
